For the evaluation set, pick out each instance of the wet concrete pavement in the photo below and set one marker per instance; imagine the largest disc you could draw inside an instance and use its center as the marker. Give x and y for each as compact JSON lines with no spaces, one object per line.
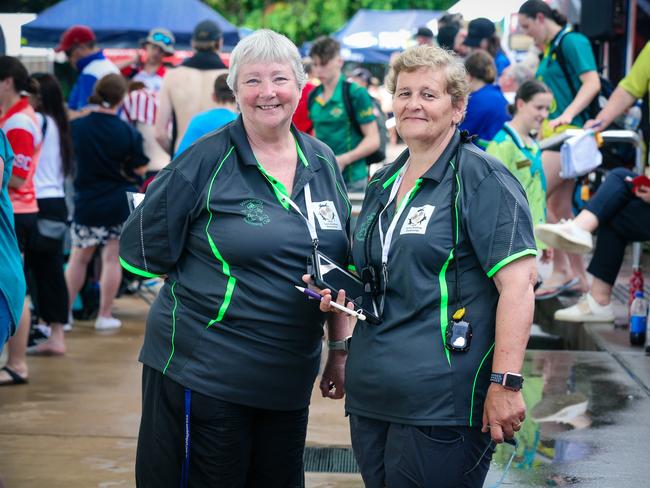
{"x":75,"y":425}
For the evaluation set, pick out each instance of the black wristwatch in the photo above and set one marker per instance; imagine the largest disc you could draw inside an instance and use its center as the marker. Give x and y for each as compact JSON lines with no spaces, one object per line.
{"x":510,"y":381}
{"x":342,"y":345}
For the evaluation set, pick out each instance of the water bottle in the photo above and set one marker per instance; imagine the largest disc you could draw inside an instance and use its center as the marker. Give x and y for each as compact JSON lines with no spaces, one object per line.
{"x":632,"y":117}
{"x":638,"y":319}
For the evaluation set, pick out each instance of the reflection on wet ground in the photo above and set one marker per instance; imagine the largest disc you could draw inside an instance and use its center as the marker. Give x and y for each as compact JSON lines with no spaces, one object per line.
{"x":564,"y":392}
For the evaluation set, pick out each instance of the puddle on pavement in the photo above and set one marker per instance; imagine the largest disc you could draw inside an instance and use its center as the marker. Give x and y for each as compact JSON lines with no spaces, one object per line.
{"x":564,"y":392}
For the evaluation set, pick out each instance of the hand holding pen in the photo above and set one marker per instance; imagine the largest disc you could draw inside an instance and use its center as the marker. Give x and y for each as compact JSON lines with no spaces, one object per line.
{"x":326,"y":302}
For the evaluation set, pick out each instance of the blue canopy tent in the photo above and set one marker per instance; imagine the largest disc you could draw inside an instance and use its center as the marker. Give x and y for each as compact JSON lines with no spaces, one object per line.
{"x":371,"y":36}
{"x":123,"y":23}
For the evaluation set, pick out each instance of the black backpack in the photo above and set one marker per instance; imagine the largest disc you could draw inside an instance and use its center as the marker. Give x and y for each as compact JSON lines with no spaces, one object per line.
{"x":380,"y":154}
{"x":606,"y":87}
{"x":614,"y":154}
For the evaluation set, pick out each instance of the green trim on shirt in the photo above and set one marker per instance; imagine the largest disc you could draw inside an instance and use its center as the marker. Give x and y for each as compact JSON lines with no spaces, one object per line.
{"x":281,"y":192}
{"x":444,"y":300}
{"x":171,"y":354}
{"x":390,"y":180}
{"x":230,"y":286}
{"x":509,"y":259}
{"x":137,"y":271}
{"x":338,"y":186}
{"x":480,"y":366}
{"x":442,"y":278}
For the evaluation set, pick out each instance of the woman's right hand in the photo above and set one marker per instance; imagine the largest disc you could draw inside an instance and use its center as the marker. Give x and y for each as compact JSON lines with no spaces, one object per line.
{"x":327,"y":296}
{"x":596,"y":125}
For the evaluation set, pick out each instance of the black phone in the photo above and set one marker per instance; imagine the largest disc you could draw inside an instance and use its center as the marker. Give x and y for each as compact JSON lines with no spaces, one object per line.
{"x":327,"y":273}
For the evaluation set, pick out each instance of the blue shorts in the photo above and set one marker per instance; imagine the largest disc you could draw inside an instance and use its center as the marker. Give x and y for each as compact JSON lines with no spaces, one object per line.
{"x":6,"y":322}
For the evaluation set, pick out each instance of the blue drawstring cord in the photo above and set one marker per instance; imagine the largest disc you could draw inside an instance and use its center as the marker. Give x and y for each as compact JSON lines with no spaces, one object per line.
{"x":185,"y":473}
{"x":512,"y":442}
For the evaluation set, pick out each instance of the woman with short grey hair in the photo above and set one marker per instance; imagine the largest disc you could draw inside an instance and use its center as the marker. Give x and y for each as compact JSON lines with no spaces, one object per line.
{"x":231,"y":349}
{"x":262,"y":47}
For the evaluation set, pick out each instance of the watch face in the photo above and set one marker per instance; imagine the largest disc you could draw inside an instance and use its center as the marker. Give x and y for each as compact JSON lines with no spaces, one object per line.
{"x":512,"y":381}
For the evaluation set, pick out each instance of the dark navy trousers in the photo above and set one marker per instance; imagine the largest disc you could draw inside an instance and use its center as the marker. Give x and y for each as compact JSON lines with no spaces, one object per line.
{"x":392,"y":455}
{"x":231,"y":445}
{"x":622,"y":217}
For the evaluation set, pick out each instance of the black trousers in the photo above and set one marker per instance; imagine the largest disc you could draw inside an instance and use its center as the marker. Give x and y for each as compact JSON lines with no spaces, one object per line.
{"x":45,"y":269}
{"x":623,"y":218}
{"x":394,"y":455}
{"x":231,"y":446}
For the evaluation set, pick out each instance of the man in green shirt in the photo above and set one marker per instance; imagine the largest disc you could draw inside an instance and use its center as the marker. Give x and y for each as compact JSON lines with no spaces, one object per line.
{"x":333,"y":124}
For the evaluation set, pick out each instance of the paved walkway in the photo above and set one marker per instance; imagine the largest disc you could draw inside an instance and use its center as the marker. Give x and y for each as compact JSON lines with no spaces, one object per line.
{"x":75,"y":424}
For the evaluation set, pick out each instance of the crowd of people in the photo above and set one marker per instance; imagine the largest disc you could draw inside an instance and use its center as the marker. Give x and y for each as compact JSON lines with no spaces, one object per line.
{"x":246,"y":170}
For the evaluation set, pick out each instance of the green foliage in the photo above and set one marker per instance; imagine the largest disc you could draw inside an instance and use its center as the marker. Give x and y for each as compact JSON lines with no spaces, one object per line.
{"x":299,"y":20}
{"x":304,"y":20}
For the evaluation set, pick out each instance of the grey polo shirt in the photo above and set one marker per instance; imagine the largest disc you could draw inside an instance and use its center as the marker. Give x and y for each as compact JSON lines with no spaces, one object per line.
{"x":228,"y":321}
{"x":400,"y":370}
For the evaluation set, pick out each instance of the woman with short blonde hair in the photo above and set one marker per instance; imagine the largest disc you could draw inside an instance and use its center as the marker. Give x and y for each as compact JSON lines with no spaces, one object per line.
{"x":445,"y":247}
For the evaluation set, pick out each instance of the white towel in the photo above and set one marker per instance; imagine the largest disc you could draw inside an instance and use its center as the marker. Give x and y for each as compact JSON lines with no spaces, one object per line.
{"x":579,"y":155}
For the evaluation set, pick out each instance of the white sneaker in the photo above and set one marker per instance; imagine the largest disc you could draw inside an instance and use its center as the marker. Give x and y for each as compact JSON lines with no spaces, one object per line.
{"x":566,"y":236}
{"x":67,"y":327}
{"x":107,"y":323}
{"x":586,"y":310}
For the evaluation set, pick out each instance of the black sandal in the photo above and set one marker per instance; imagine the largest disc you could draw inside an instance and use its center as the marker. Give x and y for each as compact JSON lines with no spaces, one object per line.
{"x":16,"y":379}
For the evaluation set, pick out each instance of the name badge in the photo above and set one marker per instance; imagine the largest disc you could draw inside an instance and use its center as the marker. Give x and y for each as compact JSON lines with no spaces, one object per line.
{"x":417,"y":220}
{"x":523,"y":164}
{"x":326,"y":214}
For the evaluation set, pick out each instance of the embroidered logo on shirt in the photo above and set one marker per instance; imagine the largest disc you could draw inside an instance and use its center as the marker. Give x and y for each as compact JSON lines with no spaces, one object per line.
{"x":417,"y":220}
{"x":367,"y":112}
{"x":363,"y":227}
{"x":254,"y":212}
{"x":326,"y":214}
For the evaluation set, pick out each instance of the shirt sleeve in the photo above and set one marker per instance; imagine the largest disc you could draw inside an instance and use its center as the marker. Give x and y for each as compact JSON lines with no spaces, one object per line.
{"x":578,"y":54}
{"x":22,"y":144}
{"x":507,"y":153}
{"x":498,"y":222}
{"x":139,"y":158}
{"x":7,"y":156}
{"x":364,"y":109}
{"x":82,"y":89}
{"x":637,"y":81}
{"x":154,"y":235}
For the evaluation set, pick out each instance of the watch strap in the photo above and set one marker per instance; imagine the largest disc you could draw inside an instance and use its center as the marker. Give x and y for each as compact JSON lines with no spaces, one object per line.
{"x":496,"y":378}
{"x":342,"y":345}
{"x":503,"y":379}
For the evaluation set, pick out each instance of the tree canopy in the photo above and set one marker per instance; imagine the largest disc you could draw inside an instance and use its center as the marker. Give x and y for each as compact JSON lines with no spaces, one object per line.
{"x":307,"y":19}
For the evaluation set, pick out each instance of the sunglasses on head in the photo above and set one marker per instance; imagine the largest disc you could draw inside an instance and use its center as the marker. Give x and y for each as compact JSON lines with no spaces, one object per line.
{"x":162,"y":38}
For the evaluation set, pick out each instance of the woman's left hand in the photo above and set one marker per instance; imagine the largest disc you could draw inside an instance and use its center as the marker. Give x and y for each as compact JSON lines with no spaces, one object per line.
{"x":332,"y":383}
{"x":503,"y":413}
{"x":564,"y":119}
{"x":643,"y":192}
